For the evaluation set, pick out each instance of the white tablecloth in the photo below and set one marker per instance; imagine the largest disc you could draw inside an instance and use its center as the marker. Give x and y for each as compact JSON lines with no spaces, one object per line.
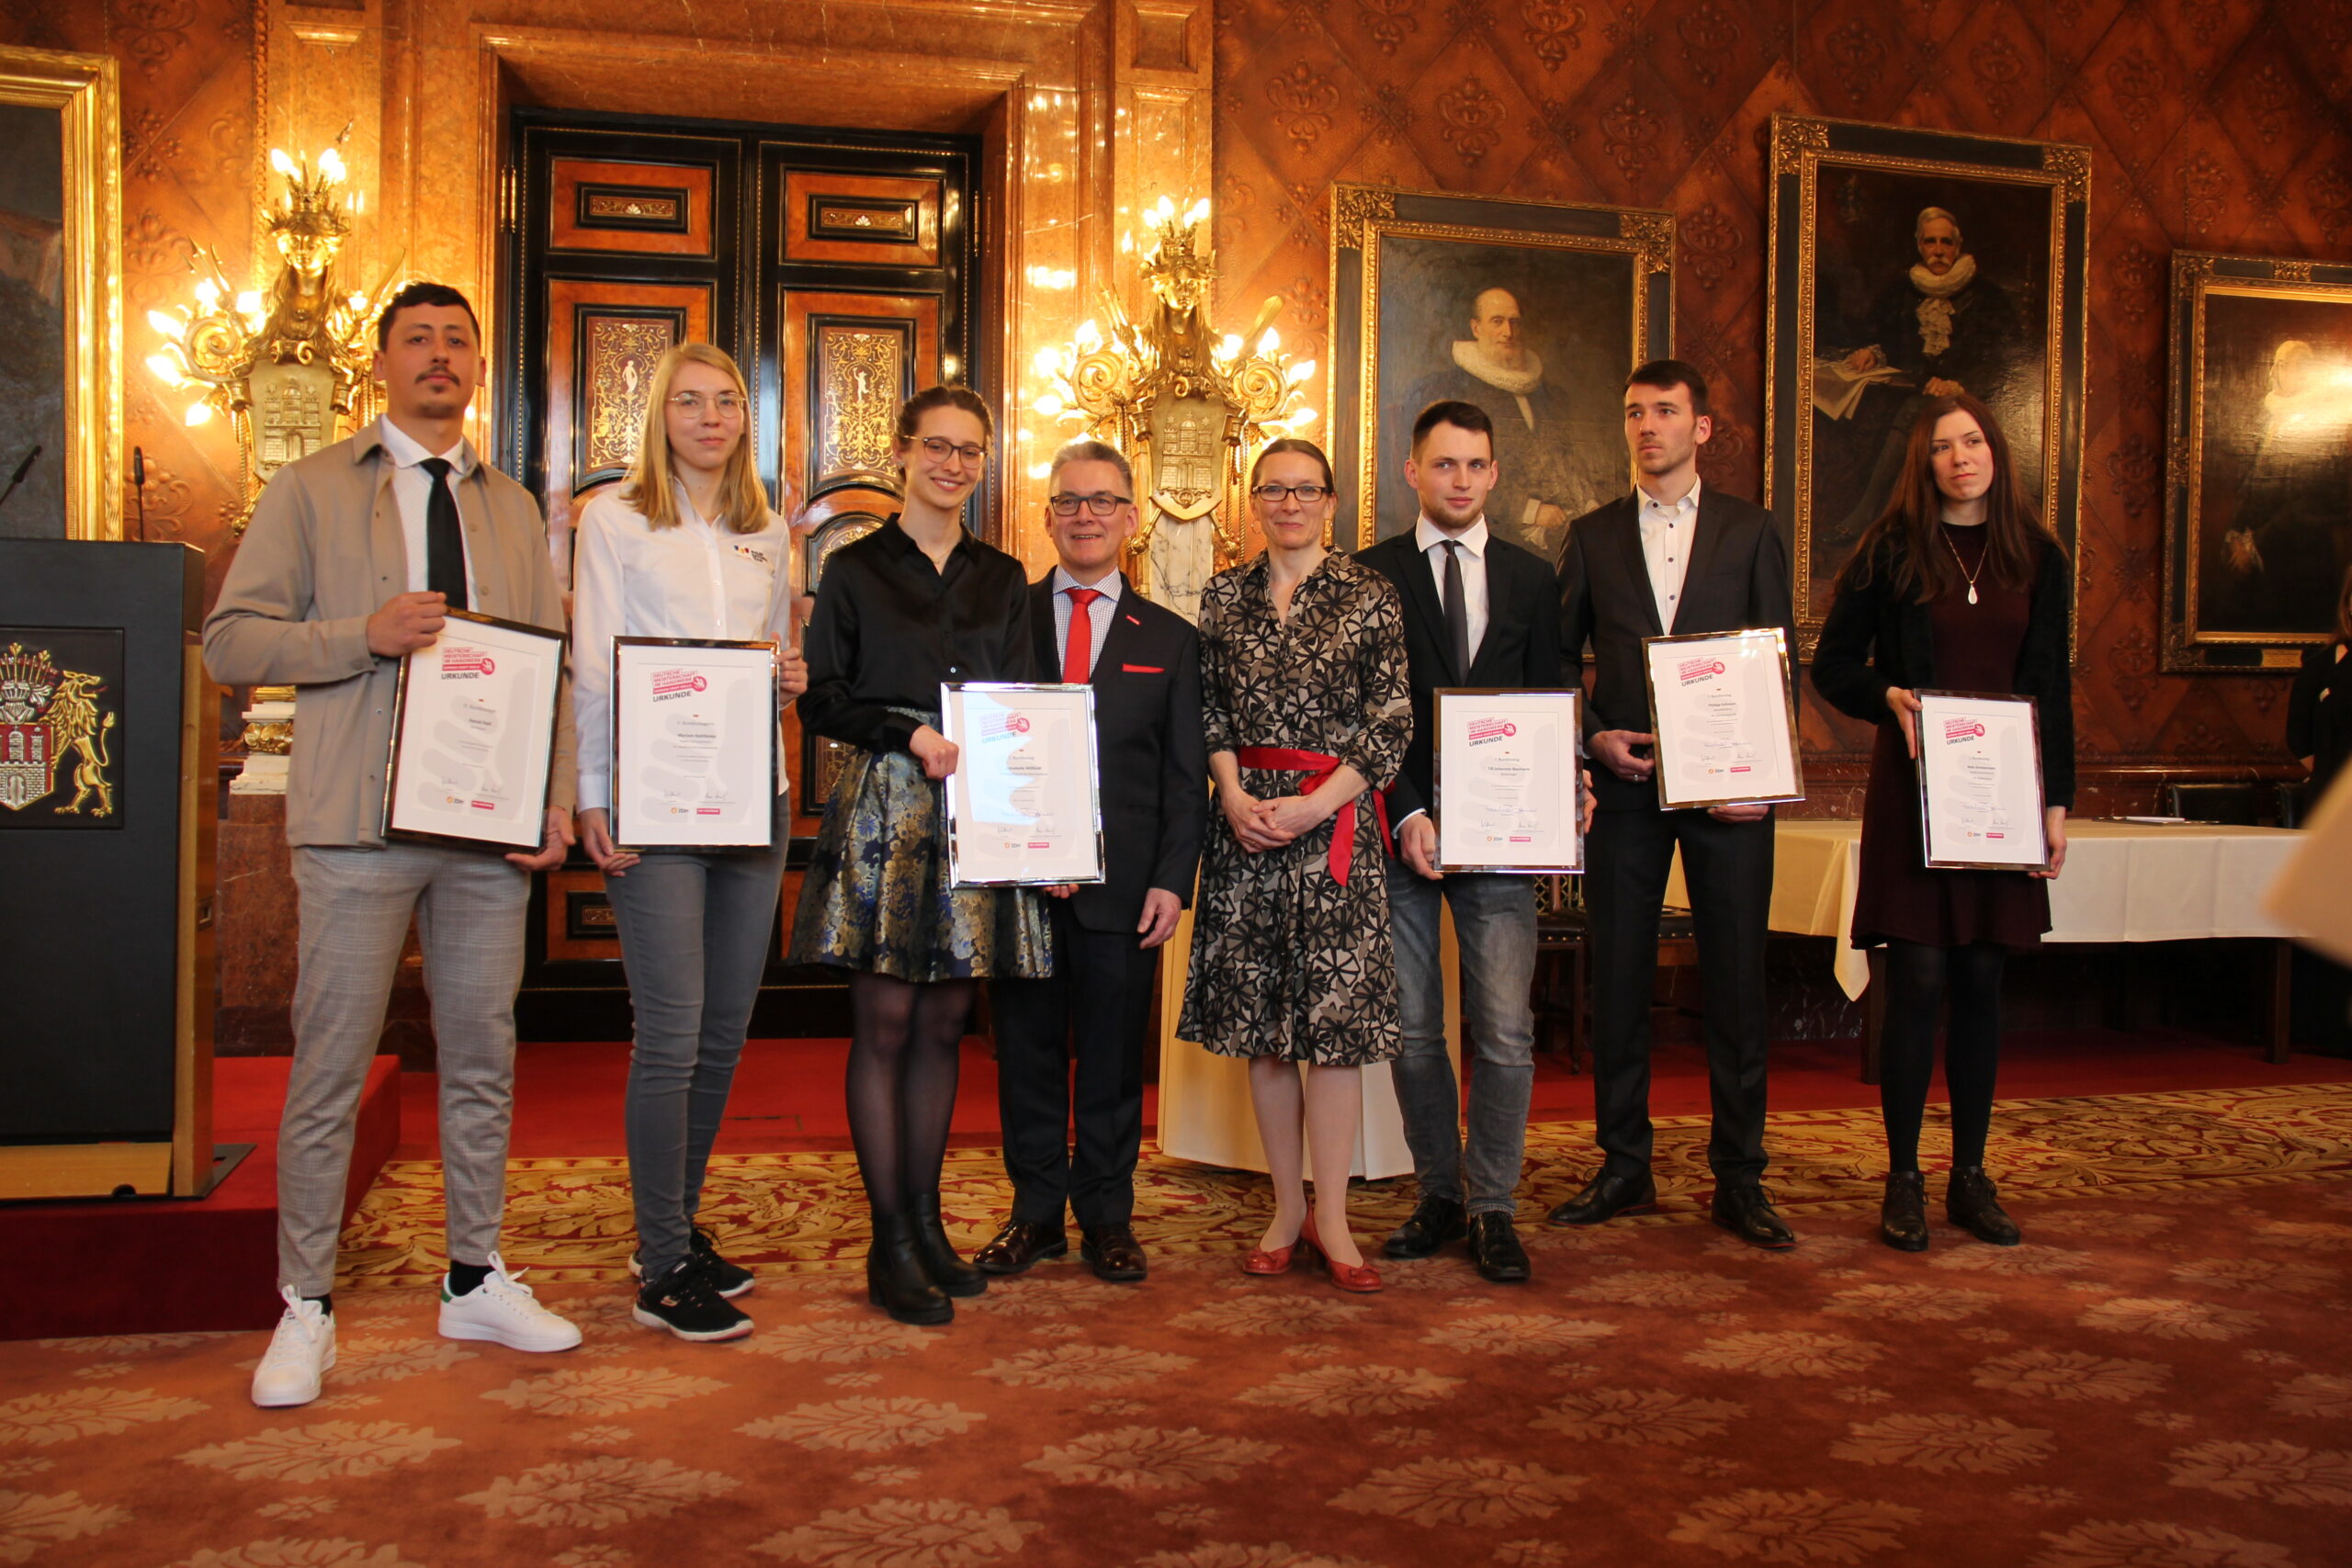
{"x":2124,"y":882}
{"x":1204,"y":1110}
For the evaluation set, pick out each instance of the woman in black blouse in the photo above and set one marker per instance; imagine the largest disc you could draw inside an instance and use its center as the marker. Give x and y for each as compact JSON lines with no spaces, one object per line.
{"x":1958,"y":587}
{"x":2319,"y":732}
{"x":918,"y":602}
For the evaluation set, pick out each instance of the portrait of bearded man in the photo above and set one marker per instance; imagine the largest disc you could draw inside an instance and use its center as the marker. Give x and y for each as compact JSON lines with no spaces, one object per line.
{"x":1941,"y":328}
{"x":1546,"y":475}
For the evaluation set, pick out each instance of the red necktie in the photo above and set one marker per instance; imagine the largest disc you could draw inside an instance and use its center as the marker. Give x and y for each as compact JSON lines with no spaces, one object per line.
{"x":1077,"y":653}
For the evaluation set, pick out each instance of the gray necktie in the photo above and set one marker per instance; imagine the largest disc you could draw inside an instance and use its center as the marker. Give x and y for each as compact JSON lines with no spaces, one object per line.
{"x":1457,"y":611}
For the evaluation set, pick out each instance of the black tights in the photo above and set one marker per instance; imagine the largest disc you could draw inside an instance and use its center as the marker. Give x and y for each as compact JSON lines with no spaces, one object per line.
{"x":1918,"y":978}
{"x":903,"y":1050}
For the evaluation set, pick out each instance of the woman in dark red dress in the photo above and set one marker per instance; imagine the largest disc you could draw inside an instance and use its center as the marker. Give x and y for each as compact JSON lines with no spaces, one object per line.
{"x":1959,"y":587}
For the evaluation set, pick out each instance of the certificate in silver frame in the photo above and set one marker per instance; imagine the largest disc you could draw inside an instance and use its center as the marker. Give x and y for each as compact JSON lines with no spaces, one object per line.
{"x":1500,"y":733}
{"x":1926,"y":833}
{"x":1074,"y":705}
{"x":458,"y":689}
{"x":686,"y":672}
{"x":1693,"y":647}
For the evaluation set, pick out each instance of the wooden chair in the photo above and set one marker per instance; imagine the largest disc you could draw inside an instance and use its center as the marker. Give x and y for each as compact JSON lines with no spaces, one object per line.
{"x":1563,"y":998}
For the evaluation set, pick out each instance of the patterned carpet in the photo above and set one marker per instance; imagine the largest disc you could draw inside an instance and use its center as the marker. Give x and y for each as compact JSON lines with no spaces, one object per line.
{"x":2159,"y":1378}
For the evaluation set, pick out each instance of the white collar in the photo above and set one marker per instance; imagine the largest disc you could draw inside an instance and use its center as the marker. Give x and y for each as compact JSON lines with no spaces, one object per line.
{"x":1959,"y":275}
{"x":1428,"y":535}
{"x":407,"y":451}
{"x":1480,"y":360}
{"x":1653,"y":507}
{"x":1108,"y":587}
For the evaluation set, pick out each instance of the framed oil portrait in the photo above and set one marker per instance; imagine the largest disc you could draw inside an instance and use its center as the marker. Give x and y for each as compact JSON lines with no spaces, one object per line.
{"x":61,"y":296}
{"x":1907,"y":265}
{"x":2258,"y":489}
{"x":1534,"y":311}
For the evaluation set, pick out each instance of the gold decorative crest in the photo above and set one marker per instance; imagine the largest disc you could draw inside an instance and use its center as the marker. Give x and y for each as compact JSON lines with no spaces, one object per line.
{"x":49,"y":719}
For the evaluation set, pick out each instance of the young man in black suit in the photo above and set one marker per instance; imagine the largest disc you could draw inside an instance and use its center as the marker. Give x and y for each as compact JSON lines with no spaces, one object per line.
{"x":1670,"y":557}
{"x":1145,"y":665}
{"x":1480,"y":610}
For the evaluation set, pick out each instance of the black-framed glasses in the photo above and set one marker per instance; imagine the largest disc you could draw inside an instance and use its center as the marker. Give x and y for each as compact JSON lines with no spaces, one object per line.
{"x":726,"y":405}
{"x":939,"y":447}
{"x":1103,"y":504}
{"x":1272,"y":495}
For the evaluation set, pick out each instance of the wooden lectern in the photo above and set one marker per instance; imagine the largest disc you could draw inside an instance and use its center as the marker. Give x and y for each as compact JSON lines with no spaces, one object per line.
{"x":106,"y":812}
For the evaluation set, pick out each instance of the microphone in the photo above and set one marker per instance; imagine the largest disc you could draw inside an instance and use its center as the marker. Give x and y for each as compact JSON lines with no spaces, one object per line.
{"x":138,"y":485}
{"x":22,"y":470}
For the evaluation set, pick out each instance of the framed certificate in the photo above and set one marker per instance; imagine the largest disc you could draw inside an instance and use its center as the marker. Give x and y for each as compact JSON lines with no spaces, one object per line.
{"x":1979,"y":781}
{"x":473,"y":735}
{"x":1725,"y":713}
{"x":693,"y":744}
{"x":1507,"y":774}
{"x":1024,"y":807}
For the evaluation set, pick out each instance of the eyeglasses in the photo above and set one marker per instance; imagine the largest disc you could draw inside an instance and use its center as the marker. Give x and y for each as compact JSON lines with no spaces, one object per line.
{"x":691,"y":404}
{"x":1272,"y":495}
{"x":1103,"y":504}
{"x":938,"y":447}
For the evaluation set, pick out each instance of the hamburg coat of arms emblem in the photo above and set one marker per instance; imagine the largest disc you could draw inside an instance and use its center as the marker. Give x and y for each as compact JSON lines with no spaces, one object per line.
{"x":56,"y":730}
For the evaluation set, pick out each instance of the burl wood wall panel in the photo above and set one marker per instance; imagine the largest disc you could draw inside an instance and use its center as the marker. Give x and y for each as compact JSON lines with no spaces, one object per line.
{"x":2214,"y":124}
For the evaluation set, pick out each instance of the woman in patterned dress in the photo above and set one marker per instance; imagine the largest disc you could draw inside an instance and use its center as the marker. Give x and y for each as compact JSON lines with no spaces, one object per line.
{"x":1308,"y":709}
{"x":918,"y":602}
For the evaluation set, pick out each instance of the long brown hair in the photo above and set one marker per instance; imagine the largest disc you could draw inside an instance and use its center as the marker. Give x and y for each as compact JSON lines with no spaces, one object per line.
{"x":1903,"y":540}
{"x":743,"y":501}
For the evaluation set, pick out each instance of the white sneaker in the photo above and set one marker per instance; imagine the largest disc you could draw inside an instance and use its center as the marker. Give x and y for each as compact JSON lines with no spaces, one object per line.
{"x":299,"y":1354}
{"x":502,"y":1311}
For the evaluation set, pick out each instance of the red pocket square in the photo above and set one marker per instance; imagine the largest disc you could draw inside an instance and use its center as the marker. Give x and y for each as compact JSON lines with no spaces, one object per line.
{"x":1144,"y":669}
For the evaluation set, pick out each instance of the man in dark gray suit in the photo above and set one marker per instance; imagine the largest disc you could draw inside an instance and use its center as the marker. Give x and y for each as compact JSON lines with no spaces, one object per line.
{"x":1670,"y":558}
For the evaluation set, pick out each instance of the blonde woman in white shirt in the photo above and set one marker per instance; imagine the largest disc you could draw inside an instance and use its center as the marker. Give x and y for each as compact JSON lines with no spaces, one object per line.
{"x":687,"y":547}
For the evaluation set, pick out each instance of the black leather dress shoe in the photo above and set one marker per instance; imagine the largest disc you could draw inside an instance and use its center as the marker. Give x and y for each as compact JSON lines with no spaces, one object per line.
{"x":1604,"y":1198}
{"x":1973,"y":1203}
{"x":1494,"y":1247}
{"x":1113,"y":1253}
{"x":1903,"y":1212}
{"x":1017,"y":1245}
{"x":1746,"y":1212}
{"x":1435,"y":1222}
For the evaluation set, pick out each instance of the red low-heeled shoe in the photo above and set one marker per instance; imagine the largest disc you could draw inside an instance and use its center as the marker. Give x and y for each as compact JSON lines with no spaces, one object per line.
{"x":1359,"y":1278}
{"x":1279,"y":1261}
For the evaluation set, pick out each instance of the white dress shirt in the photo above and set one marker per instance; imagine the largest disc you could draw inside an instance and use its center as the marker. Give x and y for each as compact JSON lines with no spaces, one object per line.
{"x":1668,"y":529}
{"x":696,"y":580}
{"x":412,"y":494}
{"x":1431,"y":539}
{"x":1098,"y":614}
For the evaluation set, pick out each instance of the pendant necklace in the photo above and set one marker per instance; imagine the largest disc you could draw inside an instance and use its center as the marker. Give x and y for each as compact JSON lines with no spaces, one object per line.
{"x":1971,"y":576}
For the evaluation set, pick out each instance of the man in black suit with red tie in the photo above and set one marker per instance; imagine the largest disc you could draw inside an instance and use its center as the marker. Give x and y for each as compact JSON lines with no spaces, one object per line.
{"x":1144,"y":664}
{"x":1670,"y":558}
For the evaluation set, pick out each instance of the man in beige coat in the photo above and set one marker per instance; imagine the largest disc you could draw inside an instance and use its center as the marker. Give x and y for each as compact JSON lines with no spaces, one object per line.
{"x":353,"y":557}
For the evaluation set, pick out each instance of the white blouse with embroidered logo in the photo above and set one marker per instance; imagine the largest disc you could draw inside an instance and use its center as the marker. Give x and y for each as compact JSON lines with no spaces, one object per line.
{"x":694,"y":581}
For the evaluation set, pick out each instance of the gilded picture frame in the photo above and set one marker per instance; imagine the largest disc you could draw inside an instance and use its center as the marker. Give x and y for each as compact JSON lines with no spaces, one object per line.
{"x":1878,"y":303}
{"x":64,"y":252}
{"x":1411,"y":271}
{"x":2258,"y":460}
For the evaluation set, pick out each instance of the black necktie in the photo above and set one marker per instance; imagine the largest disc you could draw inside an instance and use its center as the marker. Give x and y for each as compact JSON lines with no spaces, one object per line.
{"x":1457,"y":611}
{"x":444,"y":540}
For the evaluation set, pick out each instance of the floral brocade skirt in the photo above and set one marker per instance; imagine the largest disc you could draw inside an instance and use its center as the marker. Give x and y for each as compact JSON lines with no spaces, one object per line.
{"x":877,"y":897}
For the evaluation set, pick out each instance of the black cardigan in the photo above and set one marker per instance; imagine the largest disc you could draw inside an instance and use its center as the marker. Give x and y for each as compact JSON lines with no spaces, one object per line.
{"x":2319,"y":715}
{"x":1876,"y":638}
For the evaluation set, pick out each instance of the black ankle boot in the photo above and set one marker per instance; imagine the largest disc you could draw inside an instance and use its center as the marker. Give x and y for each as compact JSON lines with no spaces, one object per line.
{"x":895,"y":1279}
{"x":1971,"y":1202}
{"x":1903,"y":1212}
{"x":947,"y":1272}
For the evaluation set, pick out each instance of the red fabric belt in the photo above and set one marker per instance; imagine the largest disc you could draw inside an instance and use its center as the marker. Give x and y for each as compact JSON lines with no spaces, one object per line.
{"x":1320,"y":767}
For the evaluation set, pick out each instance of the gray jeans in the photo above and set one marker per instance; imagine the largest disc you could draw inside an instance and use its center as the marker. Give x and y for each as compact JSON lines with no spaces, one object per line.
{"x":356,"y":905}
{"x":696,"y":930}
{"x":1494,"y":927}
